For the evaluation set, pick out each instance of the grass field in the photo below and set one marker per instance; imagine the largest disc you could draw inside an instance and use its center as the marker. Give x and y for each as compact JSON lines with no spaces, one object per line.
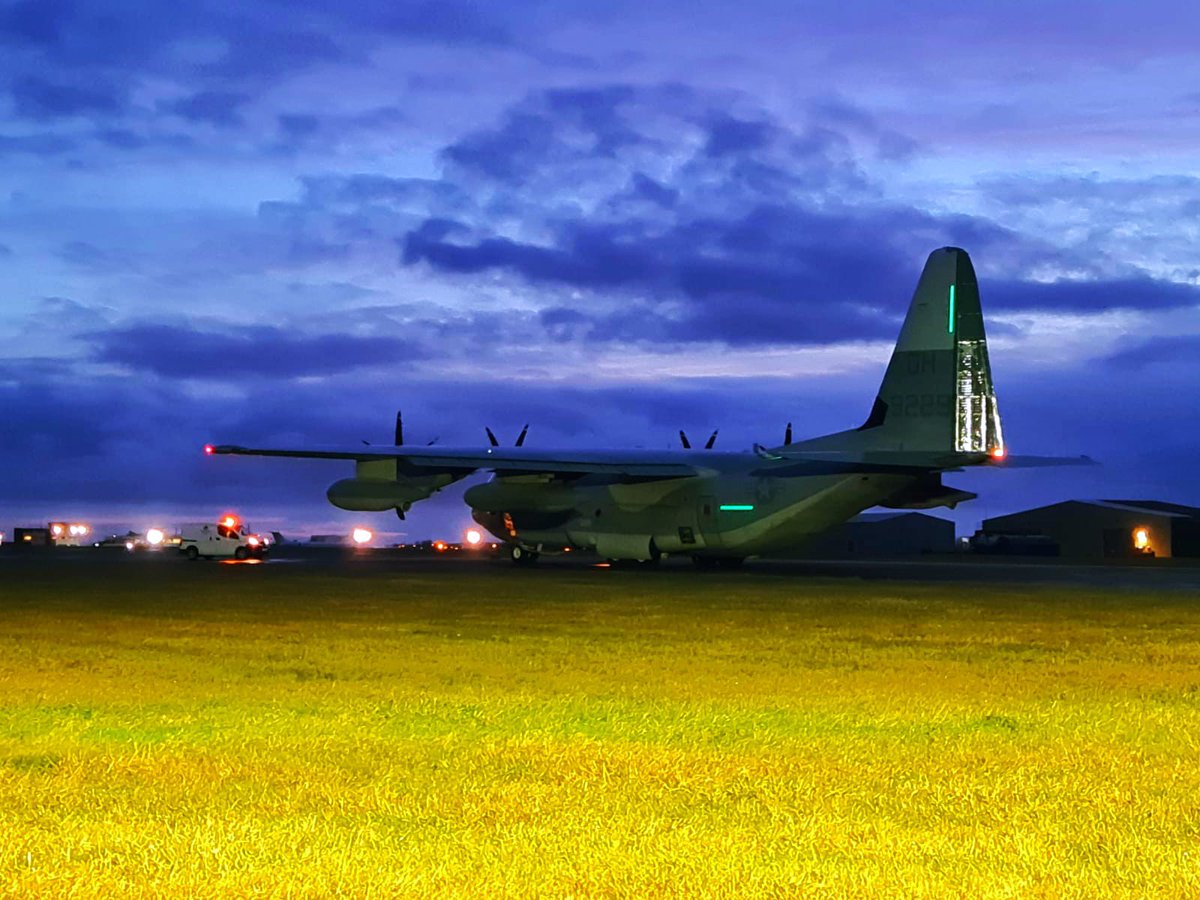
{"x":219,"y":731}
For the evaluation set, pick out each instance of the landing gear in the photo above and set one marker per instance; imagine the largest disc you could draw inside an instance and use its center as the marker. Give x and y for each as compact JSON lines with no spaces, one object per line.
{"x":522,"y":556}
{"x":650,"y":562}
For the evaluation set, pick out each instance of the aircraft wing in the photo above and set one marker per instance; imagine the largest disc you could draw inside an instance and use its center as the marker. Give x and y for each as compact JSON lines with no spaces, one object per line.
{"x":882,"y":460}
{"x":510,"y":460}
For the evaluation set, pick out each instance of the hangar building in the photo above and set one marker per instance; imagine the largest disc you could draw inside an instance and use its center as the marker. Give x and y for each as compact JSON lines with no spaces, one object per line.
{"x":901,"y":533}
{"x":1101,"y":528}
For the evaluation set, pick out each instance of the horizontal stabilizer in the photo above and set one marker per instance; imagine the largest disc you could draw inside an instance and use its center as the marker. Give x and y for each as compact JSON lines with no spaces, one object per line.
{"x":1023,"y":461}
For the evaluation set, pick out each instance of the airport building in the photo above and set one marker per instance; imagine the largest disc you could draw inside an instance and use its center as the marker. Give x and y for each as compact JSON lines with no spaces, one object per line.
{"x":1096,"y":529}
{"x":882,"y":535}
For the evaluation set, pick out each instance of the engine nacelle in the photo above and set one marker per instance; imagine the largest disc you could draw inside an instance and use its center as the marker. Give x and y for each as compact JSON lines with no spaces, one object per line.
{"x":378,"y":495}
{"x":507,"y":495}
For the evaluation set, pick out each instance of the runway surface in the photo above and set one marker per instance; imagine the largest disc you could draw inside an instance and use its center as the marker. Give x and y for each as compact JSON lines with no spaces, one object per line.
{"x":1133,"y":575}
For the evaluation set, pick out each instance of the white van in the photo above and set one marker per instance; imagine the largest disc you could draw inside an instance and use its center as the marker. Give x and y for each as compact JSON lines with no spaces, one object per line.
{"x":224,"y":538}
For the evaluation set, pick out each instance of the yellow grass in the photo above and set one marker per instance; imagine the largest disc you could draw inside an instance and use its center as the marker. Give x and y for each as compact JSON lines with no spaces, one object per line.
{"x":215,"y":731}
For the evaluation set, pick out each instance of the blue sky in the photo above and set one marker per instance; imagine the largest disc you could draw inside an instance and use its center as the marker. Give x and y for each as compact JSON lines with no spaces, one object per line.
{"x":277,"y":222}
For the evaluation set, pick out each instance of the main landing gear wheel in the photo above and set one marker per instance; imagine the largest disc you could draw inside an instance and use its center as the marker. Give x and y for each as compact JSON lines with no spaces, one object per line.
{"x":523,"y":556}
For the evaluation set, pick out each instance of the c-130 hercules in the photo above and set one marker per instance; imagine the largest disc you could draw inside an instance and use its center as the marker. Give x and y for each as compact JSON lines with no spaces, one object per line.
{"x":935,"y":412}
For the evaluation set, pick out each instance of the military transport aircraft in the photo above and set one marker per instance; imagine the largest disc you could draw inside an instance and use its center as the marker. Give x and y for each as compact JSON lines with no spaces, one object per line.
{"x":935,"y":412}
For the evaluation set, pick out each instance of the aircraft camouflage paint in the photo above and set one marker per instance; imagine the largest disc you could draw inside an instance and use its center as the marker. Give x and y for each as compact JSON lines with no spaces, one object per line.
{"x":935,"y":412}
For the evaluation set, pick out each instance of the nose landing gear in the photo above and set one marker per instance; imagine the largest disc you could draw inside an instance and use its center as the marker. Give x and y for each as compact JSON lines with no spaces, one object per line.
{"x":523,"y":556}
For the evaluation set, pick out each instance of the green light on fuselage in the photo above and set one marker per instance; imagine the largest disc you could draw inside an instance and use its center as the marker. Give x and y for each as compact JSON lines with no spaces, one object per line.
{"x":950,"y":323}
{"x":737,"y":507}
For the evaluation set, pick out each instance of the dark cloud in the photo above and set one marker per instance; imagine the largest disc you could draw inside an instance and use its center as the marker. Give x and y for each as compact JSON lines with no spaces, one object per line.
{"x":648,"y":189}
{"x":729,"y":136}
{"x":34,"y":21}
{"x":548,"y":127}
{"x":178,"y":352}
{"x":455,"y":22}
{"x":39,"y":98}
{"x":85,"y":255}
{"x":1160,"y":351}
{"x":1090,"y":296}
{"x":37,"y":144}
{"x":219,"y":108}
{"x":299,"y":126}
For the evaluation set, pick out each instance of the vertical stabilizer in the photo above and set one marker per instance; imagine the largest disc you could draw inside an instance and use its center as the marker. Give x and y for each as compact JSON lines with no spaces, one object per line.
{"x":937,"y":393}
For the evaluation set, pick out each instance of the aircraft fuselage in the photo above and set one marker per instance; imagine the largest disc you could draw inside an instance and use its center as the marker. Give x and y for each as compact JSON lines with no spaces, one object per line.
{"x":745,"y":510}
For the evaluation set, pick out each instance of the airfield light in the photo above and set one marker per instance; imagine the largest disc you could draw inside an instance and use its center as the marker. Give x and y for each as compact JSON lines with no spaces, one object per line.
{"x":439,"y":546}
{"x":154,"y":536}
{"x":129,"y":545}
{"x":1141,"y":537}
{"x":362,"y":536}
{"x":474,"y":537}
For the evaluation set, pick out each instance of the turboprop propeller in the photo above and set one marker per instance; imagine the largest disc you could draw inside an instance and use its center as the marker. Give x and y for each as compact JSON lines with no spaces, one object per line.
{"x":520,"y":442}
{"x":708,"y":445}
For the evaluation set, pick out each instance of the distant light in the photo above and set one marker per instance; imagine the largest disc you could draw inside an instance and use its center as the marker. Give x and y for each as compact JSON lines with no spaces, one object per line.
{"x":209,"y":449}
{"x":950,"y":323}
{"x":362,"y":535}
{"x":737,"y":507}
{"x":439,"y":546}
{"x":154,"y":536}
{"x":474,"y":536}
{"x":129,"y":545}
{"x":1141,"y":537}
{"x":56,"y":529}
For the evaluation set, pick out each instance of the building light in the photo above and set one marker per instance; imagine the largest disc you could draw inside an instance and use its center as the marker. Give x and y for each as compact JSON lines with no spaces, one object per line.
{"x":1141,"y":538}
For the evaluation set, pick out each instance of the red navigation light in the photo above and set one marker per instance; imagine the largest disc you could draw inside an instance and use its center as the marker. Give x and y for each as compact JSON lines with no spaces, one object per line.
{"x":999,"y":453}
{"x":209,"y":450}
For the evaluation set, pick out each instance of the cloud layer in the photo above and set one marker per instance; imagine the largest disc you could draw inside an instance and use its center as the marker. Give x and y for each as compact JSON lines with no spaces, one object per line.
{"x":492,"y":214}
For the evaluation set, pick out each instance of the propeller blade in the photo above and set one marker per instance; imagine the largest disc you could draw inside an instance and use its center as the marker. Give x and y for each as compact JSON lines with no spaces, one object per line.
{"x":399,"y":429}
{"x":491,"y":437}
{"x":683,"y":440}
{"x":712,"y":439}
{"x":787,"y":434}
{"x":521,"y":436}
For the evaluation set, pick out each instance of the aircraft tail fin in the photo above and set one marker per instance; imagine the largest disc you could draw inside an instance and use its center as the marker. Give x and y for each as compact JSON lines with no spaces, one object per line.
{"x":937,"y":393}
